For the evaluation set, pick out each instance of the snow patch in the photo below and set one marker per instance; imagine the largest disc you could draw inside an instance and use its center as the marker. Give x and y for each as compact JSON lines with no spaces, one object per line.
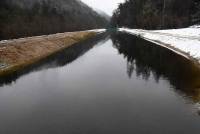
{"x":97,"y":30}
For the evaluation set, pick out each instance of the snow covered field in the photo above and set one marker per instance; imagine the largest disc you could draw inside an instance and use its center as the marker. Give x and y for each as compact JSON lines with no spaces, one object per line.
{"x":185,"y":42}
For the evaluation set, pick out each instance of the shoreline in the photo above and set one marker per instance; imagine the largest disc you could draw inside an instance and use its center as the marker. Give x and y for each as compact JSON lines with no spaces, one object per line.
{"x":16,"y":54}
{"x":164,"y":45}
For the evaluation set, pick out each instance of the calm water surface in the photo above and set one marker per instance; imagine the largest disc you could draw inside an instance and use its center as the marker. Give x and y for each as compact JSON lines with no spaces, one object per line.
{"x":116,"y":84}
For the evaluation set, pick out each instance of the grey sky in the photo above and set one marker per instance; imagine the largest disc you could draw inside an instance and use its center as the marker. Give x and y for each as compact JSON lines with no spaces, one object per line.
{"x":107,"y":6}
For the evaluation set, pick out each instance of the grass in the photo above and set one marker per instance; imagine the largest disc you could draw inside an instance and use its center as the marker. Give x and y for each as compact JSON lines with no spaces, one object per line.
{"x":19,"y":54}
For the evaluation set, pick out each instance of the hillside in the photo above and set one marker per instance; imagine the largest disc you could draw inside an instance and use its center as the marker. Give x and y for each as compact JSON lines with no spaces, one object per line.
{"x":157,"y":14}
{"x":102,"y":13}
{"x":21,"y":18}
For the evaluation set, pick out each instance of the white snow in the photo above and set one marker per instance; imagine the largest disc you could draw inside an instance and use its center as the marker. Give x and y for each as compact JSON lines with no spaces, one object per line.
{"x":185,"y":32}
{"x":97,"y":30}
{"x":185,"y":42}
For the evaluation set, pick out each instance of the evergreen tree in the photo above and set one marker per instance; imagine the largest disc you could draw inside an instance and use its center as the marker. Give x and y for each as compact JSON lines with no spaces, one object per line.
{"x":156,"y":14}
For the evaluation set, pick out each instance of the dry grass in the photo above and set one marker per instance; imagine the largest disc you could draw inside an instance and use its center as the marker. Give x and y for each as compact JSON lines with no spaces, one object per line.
{"x":19,"y":53}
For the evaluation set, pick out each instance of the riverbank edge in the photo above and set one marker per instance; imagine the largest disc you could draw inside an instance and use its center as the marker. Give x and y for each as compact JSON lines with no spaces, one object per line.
{"x":56,"y":43}
{"x":167,"y":46}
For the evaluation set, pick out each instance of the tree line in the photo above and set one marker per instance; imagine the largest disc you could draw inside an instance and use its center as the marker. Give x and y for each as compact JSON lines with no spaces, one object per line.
{"x":157,"y":14}
{"x":45,"y":17}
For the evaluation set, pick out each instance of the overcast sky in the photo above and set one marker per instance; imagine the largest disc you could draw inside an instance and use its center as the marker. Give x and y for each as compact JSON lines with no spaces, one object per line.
{"x":107,"y":6}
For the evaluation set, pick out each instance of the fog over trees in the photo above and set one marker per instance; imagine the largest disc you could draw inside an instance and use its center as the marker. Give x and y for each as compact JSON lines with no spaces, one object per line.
{"x":21,"y":18}
{"x":157,"y":14}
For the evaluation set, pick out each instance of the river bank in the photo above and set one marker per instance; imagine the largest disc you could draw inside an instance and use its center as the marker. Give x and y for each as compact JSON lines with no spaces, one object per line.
{"x":185,"y":42}
{"x":19,"y":53}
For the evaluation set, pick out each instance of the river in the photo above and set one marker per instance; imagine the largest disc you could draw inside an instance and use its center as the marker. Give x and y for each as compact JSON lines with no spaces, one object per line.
{"x":111,"y":84}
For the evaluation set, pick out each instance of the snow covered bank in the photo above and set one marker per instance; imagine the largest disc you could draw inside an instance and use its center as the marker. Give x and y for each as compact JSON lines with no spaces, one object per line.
{"x":185,"y":42}
{"x":191,"y":32}
{"x":98,"y":30}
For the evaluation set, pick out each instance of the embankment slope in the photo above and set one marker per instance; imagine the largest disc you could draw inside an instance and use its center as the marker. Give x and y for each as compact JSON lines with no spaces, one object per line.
{"x":19,"y":53}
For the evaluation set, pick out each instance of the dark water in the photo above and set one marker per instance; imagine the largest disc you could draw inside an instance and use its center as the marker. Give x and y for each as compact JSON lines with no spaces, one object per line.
{"x":109,"y":85}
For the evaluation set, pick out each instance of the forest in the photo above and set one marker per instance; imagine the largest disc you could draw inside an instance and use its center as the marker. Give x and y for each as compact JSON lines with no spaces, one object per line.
{"x":22,"y":18}
{"x":157,"y":14}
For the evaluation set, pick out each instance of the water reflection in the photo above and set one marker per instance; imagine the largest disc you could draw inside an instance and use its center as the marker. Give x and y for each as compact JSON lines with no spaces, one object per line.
{"x":147,"y":59}
{"x":59,"y":59}
{"x":95,"y":95}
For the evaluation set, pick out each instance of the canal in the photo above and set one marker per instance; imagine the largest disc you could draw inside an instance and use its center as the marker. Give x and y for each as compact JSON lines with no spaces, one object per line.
{"x":111,"y":84}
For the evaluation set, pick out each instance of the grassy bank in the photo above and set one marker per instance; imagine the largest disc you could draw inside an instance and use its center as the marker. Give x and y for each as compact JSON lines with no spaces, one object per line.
{"x":19,"y":53}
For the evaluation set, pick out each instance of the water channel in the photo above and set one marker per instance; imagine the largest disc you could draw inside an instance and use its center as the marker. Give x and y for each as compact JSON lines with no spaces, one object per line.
{"x":111,"y":84}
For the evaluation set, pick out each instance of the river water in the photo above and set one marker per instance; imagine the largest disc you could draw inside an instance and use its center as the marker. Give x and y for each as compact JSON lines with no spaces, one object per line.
{"x":111,"y":84}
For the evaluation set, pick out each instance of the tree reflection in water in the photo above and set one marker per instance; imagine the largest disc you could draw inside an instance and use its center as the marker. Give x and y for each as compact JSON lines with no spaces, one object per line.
{"x":147,"y":59}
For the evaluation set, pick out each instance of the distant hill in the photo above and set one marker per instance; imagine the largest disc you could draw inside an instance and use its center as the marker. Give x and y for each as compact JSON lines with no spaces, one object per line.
{"x":102,"y":13}
{"x":20,"y":18}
